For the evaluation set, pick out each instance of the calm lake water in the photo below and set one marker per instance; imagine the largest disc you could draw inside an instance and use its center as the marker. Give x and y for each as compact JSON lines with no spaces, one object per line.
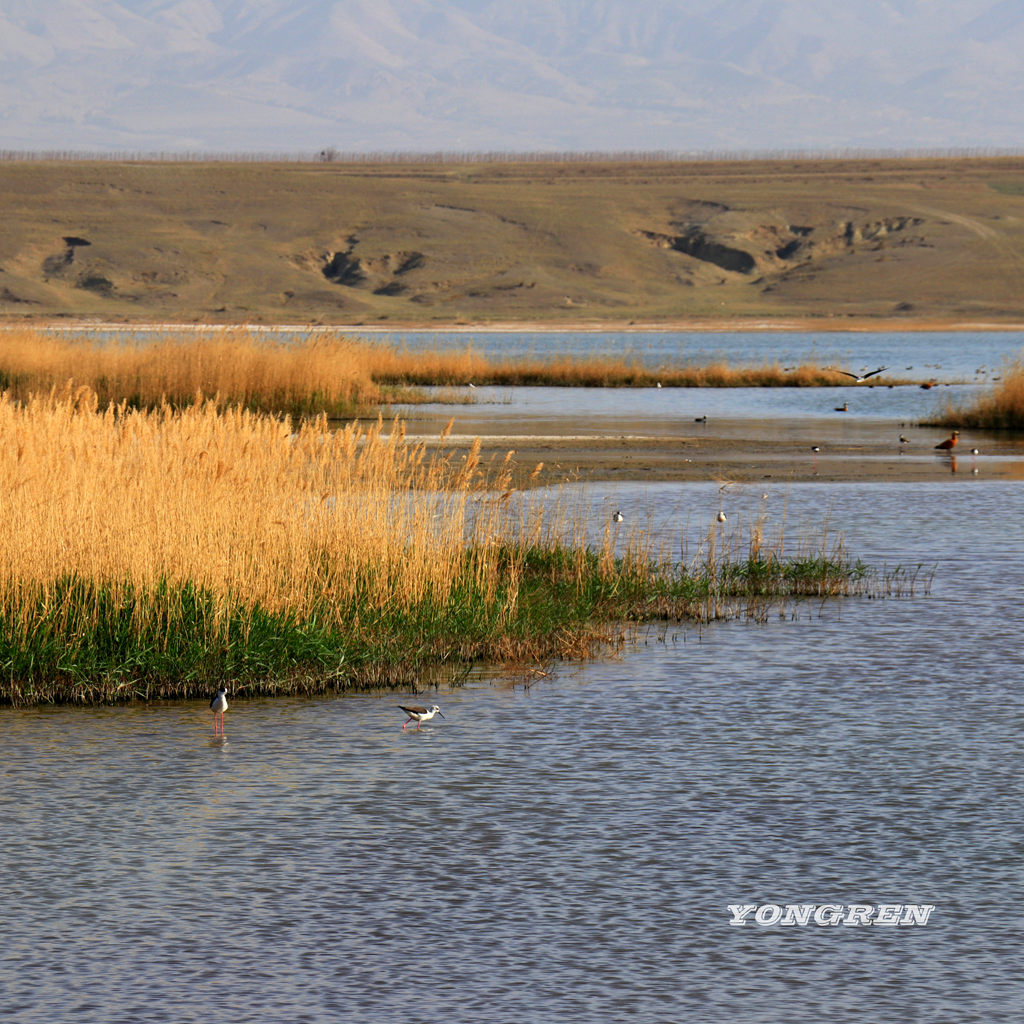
{"x":566,"y":851}
{"x":945,"y":356}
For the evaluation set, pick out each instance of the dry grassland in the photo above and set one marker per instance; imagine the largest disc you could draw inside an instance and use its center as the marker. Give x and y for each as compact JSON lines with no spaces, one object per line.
{"x":826,"y":242}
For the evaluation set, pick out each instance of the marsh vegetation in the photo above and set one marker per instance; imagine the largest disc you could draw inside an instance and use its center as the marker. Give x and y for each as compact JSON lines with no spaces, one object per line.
{"x":324,"y":373}
{"x":157,"y":552}
{"x":1000,"y":407}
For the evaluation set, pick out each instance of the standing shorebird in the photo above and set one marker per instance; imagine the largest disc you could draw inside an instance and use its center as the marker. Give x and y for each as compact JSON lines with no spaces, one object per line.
{"x":218,"y":706}
{"x":417,"y":714}
{"x":950,"y":443}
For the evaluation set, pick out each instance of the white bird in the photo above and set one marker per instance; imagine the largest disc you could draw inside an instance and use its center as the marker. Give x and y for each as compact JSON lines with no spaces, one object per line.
{"x":721,"y":517}
{"x":858,"y":378}
{"x":417,"y":714}
{"x":617,"y":516}
{"x":218,"y":706}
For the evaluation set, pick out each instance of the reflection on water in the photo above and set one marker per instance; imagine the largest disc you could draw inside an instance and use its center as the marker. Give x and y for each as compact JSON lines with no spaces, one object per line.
{"x":564,"y":851}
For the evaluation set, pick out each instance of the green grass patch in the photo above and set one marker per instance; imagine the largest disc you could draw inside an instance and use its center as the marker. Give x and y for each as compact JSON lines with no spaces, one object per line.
{"x":86,"y":642}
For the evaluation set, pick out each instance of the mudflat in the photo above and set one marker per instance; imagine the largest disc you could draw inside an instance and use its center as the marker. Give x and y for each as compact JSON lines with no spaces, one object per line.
{"x":766,"y":455}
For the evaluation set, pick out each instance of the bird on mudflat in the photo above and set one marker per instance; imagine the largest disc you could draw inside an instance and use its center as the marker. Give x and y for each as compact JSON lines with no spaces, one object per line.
{"x":950,"y":443}
{"x":858,"y":378}
{"x":904,"y":440}
{"x":701,"y":419}
{"x":845,"y":407}
{"x":218,"y":706}
{"x":417,"y":714}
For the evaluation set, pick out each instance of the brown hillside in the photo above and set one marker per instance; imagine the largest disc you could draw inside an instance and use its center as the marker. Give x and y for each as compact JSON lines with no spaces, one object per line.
{"x":546,"y":242}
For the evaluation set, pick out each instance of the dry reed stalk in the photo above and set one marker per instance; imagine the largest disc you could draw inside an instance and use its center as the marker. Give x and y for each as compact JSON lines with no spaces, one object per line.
{"x":240,"y":504}
{"x":239,"y":366}
{"x":1001,"y":408}
{"x":321,"y":372}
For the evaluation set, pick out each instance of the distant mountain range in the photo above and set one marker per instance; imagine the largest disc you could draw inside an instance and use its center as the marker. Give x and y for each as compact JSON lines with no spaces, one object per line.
{"x":533,"y":75}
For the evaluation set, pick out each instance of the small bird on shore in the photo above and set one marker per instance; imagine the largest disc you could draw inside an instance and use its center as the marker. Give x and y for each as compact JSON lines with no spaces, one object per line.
{"x":950,"y":443}
{"x":218,"y":706}
{"x":417,"y":714}
{"x":858,"y":378}
{"x":701,"y":419}
{"x":904,"y":440}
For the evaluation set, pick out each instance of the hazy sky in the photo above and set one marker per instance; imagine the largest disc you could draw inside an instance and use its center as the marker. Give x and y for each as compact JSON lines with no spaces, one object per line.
{"x":533,"y":75}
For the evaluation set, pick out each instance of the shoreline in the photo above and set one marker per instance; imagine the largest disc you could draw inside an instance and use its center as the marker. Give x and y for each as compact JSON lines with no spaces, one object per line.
{"x":795,"y":325}
{"x":640,"y":458}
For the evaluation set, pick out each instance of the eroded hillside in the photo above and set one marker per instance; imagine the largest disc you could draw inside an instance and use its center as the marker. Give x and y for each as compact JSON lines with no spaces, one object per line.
{"x":548,"y":242}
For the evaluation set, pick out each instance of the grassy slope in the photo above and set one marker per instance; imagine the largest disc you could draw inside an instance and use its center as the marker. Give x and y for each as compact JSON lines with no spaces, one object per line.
{"x":545,"y":242}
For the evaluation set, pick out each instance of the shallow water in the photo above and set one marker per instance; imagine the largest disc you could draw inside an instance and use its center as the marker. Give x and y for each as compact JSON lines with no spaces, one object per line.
{"x":672,"y":411}
{"x":565,"y":851}
{"x":945,"y":356}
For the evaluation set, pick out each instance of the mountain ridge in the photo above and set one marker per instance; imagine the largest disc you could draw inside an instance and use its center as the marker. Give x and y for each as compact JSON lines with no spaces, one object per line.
{"x":476,"y":75}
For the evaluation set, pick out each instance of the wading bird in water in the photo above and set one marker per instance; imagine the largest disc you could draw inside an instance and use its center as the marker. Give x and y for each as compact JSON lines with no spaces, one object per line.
{"x":950,"y":443}
{"x":218,"y":706}
{"x":417,"y":714}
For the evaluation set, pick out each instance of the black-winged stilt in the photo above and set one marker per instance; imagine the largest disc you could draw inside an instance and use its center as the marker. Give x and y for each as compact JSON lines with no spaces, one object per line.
{"x":417,"y":714}
{"x":218,"y":706}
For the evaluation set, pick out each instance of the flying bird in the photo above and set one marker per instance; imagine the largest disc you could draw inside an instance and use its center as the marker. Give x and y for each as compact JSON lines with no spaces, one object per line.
{"x":858,"y":378}
{"x":417,"y":714}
